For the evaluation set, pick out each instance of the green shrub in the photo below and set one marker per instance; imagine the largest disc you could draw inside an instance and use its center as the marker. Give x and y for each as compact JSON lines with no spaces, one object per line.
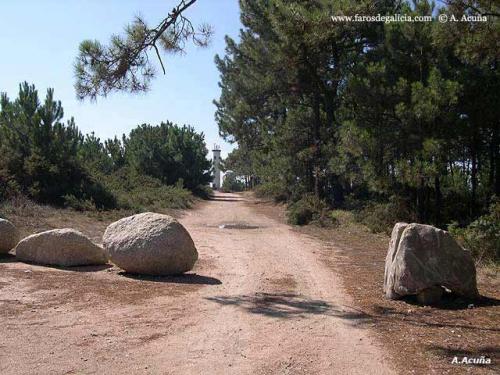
{"x":482,"y":236}
{"x":272,"y":190}
{"x":203,"y":191}
{"x":381,"y":217}
{"x":70,"y":201}
{"x":139,"y":192}
{"x":9,"y":189}
{"x":307,"y":210}
{"x":341,"y":217}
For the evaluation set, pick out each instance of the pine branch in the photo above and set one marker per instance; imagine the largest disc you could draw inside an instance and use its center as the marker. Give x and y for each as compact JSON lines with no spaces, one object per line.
{"x":123,"y":65}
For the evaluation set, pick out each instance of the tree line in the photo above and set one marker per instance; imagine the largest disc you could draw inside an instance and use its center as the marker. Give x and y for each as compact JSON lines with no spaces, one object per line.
{"x":52,"y":162}
{"x":399,"y":117}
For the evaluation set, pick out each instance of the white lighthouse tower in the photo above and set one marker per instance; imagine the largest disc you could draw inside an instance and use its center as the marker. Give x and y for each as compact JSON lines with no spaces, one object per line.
{"x":216,"y":161}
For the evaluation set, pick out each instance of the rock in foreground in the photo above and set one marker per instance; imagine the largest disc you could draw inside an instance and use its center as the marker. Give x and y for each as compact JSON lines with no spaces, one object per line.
{"x":60,"y":247}
{"x":150,"y":244}
{"x":421,"y":258}
{"x":9,"y":236}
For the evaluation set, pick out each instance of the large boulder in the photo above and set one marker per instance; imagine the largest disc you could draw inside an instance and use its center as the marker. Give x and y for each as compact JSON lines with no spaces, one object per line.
{"x":9,"y":236}
{"x":421,"y":259}
{"x":150,"y":244}
{"x":60,"y":247}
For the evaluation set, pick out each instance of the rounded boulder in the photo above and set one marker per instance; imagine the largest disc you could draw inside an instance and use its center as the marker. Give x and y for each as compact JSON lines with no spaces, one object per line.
{"x":150,"y":244}
{"x":60,"y":247}
{"x":9,"y":236}
{"x":422,"y":259}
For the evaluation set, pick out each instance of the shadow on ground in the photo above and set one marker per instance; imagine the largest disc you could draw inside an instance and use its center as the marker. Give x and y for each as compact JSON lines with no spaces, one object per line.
{"x":187,"y":278}
{"x":96,"y":268}
{"x":490,"y":351}
{"x":388,"y":314}
{"x":238,"y":225}
{"x":7,"y":258}
{"x":452,"y":301}
{"x":220,"y":199}
{"x":288,"y":305}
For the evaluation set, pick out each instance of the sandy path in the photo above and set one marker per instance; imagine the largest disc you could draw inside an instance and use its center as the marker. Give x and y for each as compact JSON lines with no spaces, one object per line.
{"x":261,"y":302}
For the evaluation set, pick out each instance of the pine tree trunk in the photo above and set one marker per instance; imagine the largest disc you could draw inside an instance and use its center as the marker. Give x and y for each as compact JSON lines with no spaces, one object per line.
{"x":494,"y":175}
{"x":421,"y":201}
{"x":317,"y":150}
{"x":474,"y":148}
{"x":437,"y":188}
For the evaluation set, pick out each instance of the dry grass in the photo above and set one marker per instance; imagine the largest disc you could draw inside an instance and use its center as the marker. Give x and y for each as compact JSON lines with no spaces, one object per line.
{"x":31,"y":218}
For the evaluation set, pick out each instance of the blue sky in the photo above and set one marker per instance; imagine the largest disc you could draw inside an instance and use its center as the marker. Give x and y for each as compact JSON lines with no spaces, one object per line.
{"x":39,"y":41}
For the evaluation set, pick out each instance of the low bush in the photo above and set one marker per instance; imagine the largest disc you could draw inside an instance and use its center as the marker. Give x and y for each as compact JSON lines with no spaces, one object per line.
{"x":272,"y":190}
{"x":482,"y":236}
{"x":381,"y":217}
{"x":342,"y":217}
{"x":70,"y":201}
{"x":203,"y":191}
{"x":122,"y":189}
{"x":141,"y":193}
{"x":307,"y":210}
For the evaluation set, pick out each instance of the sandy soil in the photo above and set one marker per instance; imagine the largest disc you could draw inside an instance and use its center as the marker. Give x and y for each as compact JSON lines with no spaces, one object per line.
{"x":259,"y":301}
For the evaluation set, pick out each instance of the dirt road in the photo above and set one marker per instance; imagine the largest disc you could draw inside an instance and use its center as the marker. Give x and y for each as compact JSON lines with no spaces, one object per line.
{"x":260,"y":301}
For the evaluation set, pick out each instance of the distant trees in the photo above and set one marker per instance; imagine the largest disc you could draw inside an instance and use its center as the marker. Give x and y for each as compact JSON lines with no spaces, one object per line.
{"x":169,"y":153}
{"x":403,"y":114}
{"x":238,"y":162}
{"x":39,"y":153}
{"x":52,"y":162}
